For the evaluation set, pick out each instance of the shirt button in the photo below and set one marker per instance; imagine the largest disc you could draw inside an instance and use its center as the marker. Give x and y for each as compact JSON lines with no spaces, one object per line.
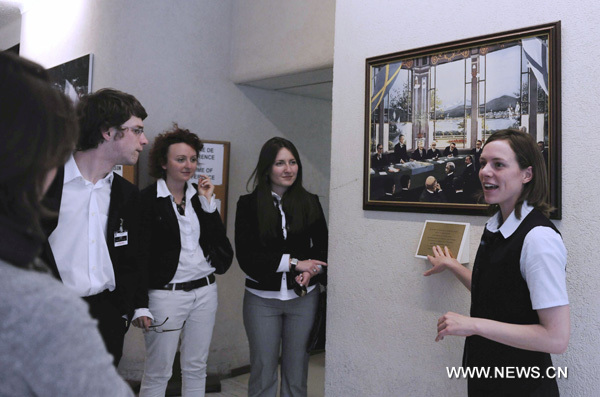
{"x":93,"y":241}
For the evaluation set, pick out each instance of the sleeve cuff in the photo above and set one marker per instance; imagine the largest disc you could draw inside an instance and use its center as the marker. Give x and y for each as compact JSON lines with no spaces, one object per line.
{"x":284,"y":264}
{"x":207,"y":206}
{"x":142,"y":312}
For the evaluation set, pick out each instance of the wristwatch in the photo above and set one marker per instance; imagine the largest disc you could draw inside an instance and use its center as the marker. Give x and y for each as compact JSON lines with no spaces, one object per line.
{"x":293,"y":264}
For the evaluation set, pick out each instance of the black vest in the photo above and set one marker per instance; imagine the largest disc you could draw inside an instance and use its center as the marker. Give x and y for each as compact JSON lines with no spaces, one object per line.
{"x":498,"y":292}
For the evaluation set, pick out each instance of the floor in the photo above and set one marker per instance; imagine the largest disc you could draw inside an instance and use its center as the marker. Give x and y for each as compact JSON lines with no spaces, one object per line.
{"x":238,"y":386}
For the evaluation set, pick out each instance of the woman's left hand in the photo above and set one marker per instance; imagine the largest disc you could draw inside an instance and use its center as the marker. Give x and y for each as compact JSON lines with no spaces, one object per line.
{"x":205,"y":187}
{"x":454,"y":324}
{"x":304,"y":278}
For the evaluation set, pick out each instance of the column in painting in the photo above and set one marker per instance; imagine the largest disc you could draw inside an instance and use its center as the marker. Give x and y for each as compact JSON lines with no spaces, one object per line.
{"x":533,"y":105}
{"x":474,"y":100}
{"x":421,"y":95}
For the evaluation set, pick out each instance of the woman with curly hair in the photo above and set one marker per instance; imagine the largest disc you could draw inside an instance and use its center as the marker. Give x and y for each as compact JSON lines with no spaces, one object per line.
{"x":186,"y":245}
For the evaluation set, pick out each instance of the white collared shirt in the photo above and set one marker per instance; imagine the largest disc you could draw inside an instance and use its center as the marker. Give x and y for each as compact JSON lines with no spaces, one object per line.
{"x":543,"y":260}
{"x":192,"y":261}
{"x":79,"y":241}
{"x":284,"y":293}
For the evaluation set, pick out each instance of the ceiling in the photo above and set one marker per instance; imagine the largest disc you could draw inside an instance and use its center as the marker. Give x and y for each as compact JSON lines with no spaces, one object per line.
{"x":313,"y":83}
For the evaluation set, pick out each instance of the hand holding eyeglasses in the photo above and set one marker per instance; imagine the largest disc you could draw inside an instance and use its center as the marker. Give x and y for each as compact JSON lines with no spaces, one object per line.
{"x":157,"y":327}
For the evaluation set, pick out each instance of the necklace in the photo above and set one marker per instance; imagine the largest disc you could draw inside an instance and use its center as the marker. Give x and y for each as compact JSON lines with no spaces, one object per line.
{"x":181,"y":206}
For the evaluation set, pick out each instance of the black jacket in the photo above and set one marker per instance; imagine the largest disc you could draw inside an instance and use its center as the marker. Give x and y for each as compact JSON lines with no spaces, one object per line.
{"x":162,"y":240}
{"x":261,"y":261}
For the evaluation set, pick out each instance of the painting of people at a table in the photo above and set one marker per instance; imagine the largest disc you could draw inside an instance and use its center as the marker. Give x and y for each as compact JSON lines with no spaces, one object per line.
{"x":430,"y":117}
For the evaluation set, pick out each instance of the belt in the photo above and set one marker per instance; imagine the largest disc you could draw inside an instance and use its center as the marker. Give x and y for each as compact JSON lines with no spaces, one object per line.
{"x":190,"y":285}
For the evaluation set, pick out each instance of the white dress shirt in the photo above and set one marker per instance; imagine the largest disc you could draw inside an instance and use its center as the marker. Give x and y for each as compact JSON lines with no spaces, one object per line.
{"x":543,"y":260}
{"x":192,"y":261}
{"x":79,"y":240}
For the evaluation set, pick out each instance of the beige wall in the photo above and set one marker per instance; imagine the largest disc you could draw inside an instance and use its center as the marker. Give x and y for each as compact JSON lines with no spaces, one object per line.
{"x":382,"y":312}
{"x":174,"y":56}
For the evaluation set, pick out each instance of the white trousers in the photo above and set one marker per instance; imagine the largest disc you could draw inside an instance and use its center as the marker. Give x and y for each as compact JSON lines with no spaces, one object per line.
{"x":198,"y":309}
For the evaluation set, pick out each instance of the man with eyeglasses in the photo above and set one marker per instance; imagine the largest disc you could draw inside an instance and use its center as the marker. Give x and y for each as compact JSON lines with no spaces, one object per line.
{"x":93,"y":245}
{"x":379,"y":160}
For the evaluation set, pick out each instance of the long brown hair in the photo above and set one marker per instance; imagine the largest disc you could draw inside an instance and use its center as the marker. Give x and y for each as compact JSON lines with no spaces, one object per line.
{"x":300,"y":207}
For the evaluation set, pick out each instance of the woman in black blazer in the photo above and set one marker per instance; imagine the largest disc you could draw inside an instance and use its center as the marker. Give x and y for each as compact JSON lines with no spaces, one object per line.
{"x":281,"y":244}
{"x":186,"y":244}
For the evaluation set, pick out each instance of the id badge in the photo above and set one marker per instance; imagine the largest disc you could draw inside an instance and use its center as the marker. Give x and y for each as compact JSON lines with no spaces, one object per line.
{"x":121,"y":236}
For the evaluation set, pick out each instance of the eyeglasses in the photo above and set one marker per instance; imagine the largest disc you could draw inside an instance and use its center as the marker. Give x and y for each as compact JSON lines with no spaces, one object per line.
{"x":135,"y":130}
{"x":156,"y":328}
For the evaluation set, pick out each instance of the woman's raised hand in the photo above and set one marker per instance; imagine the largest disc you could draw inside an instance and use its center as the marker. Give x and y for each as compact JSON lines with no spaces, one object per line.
{"x":205,"y":187}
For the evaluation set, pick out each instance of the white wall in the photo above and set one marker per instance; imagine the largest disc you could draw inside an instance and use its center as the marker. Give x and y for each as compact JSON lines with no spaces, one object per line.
{"x":274,"y":37}
{"x":10,"y":34}
{"x":174,"y":56}
{"x":382,"y":312}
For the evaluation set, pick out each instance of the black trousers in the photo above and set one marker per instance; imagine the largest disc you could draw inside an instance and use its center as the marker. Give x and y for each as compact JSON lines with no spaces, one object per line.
{"x":111,"y":324}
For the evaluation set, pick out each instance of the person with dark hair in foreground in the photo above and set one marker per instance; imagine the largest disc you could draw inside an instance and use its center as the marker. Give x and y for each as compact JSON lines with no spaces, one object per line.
{"x":49,"y":345}
{"x":281,"y":244}
{"x":519,"y":304}
{"x":94,"y":244}
{"x":184,"y":245}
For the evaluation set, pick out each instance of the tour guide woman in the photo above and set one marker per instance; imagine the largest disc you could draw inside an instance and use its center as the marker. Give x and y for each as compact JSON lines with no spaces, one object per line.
{"x":186,"y":244}
{"x":519,"y":304}
{"x":281,"y":240}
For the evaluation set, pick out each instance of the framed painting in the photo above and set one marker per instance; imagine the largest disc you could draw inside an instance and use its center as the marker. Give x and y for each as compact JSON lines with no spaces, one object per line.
{"x":429,"y":111}
{"x":73,"y":78}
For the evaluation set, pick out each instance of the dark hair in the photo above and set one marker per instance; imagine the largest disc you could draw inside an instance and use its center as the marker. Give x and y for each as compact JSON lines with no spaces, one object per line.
{"x":528,"y":155}
{"x":300,"y":206}
{"x":38,"y":131}
{"x":102,"y":110}
{"x":160,"y":149}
